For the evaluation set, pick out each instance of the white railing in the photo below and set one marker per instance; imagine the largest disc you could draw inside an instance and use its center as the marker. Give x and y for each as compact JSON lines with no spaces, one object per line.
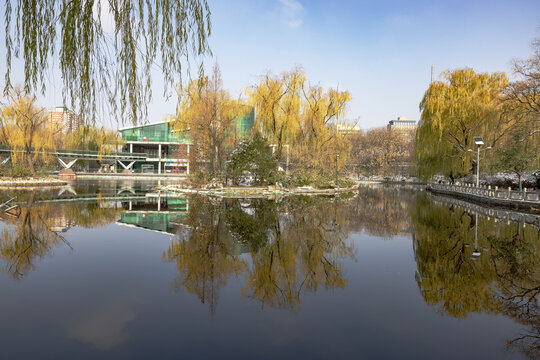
{"x":488,"y":191}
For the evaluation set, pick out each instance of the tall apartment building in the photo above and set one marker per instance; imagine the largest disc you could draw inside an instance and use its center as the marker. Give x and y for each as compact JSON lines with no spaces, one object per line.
{"x":64,"y":120}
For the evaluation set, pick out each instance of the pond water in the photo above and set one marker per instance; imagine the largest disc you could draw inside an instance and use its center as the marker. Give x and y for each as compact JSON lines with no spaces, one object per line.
{"x":117,"y":270}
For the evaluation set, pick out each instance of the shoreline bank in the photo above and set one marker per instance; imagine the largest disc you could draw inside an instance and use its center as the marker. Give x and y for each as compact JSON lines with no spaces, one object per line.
{"x":13,"y":183}
{"x":257,"y":192}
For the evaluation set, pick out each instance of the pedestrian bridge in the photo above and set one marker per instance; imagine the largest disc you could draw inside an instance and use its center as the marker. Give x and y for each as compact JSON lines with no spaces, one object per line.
{"x":67,"y":157}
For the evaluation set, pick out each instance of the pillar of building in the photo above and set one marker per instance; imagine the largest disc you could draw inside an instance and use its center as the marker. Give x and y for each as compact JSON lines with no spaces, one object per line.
{"x":159,"y":158}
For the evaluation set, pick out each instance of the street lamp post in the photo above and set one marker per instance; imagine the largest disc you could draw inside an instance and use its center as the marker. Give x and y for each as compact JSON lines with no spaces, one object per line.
{"x":476,"y":254}
{"x":479,"y":142}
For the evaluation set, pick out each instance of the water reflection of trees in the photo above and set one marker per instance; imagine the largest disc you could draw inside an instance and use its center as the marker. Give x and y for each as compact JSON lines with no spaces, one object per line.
{"x":294,"y":248}
{"x":202,"y":254}
{"x":303,"y":252}
{"x":504,"y":280}
{"x":26,"y":239}
{"x":37,"y":230}
{"x":381,"y":211}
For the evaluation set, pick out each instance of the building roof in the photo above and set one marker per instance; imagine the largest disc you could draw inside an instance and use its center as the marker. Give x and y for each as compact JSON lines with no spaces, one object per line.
{"x":142,"y":125}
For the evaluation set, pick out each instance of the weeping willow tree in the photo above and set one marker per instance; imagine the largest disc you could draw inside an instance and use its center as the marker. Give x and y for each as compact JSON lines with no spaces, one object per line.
{"x":319,"y":140}
{"x":208,"y":112}
{"x":466,"y":104}
{"x":277,"y":102}
{"x":100,"y":61}
{"x":291,"y":112}
{"x":23,"y":128}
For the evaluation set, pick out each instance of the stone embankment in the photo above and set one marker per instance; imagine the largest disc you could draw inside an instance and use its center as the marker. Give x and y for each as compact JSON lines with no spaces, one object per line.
{"x":30,"y":183}
{"x":255,"y":192}
{"x":526,"y":199}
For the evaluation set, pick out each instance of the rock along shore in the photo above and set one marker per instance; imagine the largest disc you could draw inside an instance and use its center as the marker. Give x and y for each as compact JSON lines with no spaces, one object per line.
{"x":256,"y":192}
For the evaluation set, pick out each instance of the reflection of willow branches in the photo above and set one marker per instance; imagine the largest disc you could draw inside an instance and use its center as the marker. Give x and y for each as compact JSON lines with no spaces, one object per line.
{"x":526,"y":311}
{"x":515,"y":255}
{"x":446,"y":274}
{"x":26,"y":239}
{"x":202,"y":255}
{"x":506,"y":278}
{"x":295,"y":247}
{"x":250,"y":221}
{"x":382,"y":212}
{"x":303,"y":253}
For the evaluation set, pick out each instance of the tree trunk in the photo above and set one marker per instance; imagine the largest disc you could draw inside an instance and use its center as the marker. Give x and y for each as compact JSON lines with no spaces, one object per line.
{"x":30,"y":163}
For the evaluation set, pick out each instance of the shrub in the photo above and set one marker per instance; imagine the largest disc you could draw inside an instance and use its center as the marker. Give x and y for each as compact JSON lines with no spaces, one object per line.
{"x":5,"y":170}
{"x":319,"y":180}
{"x":254,"y":156}
{"x":20,"y":171}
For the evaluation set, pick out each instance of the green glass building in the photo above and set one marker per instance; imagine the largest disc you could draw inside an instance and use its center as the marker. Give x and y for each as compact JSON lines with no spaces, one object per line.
{"x":167,"y":151}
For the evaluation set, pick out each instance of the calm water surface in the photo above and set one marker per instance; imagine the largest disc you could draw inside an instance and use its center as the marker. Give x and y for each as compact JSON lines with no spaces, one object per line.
{"x":116,"y":270}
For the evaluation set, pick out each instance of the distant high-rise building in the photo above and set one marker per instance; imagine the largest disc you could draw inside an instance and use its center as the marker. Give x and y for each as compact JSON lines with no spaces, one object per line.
{"x":64,"y":120}
{"x":402,"y":124}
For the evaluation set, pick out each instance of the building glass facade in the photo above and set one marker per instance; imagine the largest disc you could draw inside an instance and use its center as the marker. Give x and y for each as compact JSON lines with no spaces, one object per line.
{"x":167,"y":151}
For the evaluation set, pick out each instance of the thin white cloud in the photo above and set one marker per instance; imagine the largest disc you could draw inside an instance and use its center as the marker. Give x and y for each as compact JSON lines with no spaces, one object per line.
{"x":105,"y":327}
{"x":291,"y":12}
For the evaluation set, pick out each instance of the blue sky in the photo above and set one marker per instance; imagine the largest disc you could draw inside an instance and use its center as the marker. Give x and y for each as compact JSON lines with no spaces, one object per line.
{"x":380,"y":51}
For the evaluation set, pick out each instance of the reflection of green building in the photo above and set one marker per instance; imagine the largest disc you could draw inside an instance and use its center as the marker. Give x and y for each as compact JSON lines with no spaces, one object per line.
{"x":166,"y":150}
{"x":162,"y":214}
{"x":165,"y":222}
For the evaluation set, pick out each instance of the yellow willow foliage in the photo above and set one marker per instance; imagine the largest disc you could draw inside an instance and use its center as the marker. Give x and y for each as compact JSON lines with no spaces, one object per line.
{"x":466,"y":104}
{"x":24,"y":129}
{"x":320,"y":123}
{"x":306,"y":118}
{"x":89,"y":137}
{"x":208,"y":112}
{"x":278,"y":104}
{"x":320,"y":110}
